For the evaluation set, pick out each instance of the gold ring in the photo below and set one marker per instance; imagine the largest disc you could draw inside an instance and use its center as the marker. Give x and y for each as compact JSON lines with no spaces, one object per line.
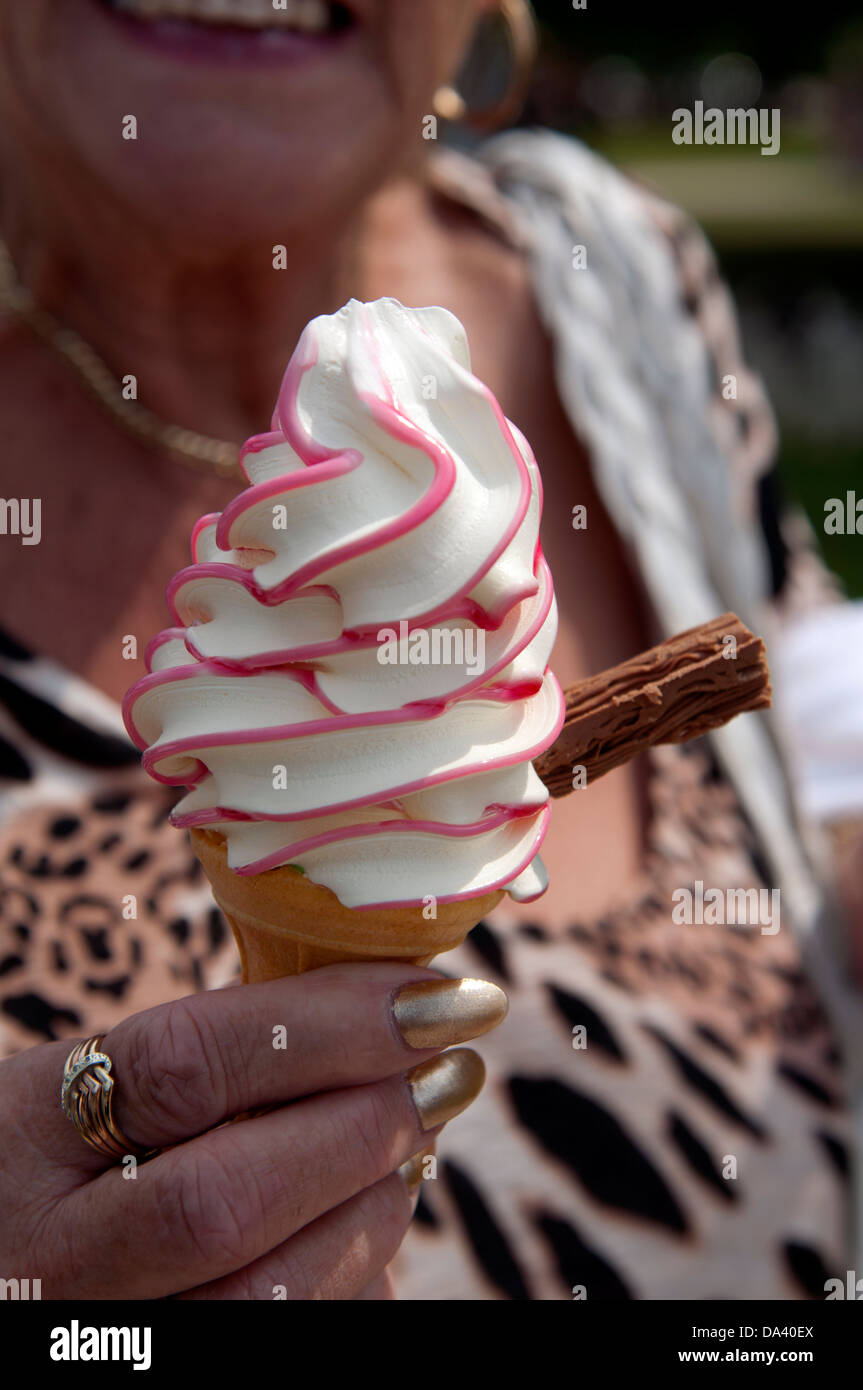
{"x":87,"y":1098}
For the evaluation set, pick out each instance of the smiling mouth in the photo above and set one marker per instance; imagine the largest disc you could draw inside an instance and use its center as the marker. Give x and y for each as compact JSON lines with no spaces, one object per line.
{"x":247,"y":20}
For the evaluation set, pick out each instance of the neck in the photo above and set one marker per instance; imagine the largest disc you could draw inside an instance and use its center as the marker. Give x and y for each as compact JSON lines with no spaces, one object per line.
{"x":207,"y":335}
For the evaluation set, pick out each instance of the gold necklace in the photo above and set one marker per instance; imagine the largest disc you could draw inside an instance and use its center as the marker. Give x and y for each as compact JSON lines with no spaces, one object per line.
{"x":197,"y":451}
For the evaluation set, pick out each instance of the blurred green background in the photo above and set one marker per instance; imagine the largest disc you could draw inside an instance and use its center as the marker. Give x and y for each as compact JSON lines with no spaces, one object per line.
{"x":788,"y":229}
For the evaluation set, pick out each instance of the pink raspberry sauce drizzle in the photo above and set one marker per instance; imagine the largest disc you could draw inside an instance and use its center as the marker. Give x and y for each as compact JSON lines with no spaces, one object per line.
{"x":389,"y":490}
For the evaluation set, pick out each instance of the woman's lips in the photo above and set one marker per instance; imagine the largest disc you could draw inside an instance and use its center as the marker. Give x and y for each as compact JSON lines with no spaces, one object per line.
{"x":233,"y":31}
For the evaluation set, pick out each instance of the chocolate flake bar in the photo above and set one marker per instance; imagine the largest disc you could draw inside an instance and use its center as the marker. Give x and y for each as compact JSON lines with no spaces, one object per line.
{"x":676,"y":691}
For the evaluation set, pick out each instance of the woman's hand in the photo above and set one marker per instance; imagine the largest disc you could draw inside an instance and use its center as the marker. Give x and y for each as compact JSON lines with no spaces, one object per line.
{"x":302,"y":1202}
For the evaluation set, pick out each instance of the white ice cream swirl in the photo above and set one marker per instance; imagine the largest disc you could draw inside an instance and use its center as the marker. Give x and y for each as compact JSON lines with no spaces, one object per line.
{"x":390,"y":496}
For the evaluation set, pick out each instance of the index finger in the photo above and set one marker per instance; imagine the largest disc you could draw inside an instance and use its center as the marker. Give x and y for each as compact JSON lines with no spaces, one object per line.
{"x":184,"y":1067}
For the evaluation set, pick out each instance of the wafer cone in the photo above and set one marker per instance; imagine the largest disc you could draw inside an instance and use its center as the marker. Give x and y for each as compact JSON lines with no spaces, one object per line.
{"x":285,"y":925}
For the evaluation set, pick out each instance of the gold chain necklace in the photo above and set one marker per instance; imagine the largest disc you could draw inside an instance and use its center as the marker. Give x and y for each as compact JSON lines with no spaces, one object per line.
{"x":197,"y":451}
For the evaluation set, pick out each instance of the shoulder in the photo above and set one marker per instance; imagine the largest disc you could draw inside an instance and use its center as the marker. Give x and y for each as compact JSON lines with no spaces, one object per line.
{"x":557,"y":187}
{"x":653,"y":280}
{"x":427,"y":243}
{"x":479,"y":233}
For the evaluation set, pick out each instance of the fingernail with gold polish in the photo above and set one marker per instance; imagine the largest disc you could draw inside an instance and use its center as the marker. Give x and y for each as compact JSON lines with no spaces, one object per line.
{"x":438,"y":1013}
{"x":446,"y":1085}
{"x":410,"y":1172}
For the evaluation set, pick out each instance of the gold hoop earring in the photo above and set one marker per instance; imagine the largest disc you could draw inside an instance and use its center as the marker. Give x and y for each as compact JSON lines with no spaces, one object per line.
{"x":523,"y":41}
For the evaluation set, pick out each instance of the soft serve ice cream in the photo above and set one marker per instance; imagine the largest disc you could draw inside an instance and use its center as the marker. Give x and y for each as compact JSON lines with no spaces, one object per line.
{"x":392,"y":514}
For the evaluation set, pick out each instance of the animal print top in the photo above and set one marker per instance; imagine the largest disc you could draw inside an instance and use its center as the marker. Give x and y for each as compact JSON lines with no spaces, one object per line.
{"x":663,"y":1113}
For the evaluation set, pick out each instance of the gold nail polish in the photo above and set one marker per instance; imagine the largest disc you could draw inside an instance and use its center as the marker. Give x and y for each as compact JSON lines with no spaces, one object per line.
{"x":446,"y":1085}
{"x":438,"y":1013}
{"x":411,"y":1172}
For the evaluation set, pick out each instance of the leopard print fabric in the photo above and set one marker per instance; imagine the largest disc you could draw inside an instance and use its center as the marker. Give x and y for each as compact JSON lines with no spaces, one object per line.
{"x":663,"y":1115}
{"x":693,"y":1145}
{"x":103,"y":909}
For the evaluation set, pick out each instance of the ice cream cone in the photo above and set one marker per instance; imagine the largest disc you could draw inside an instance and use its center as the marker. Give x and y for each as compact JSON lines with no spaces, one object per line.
{"x":285,"y":925}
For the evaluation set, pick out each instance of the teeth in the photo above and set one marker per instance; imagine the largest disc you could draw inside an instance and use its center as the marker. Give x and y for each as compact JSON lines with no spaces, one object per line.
{"x":308,"y":16}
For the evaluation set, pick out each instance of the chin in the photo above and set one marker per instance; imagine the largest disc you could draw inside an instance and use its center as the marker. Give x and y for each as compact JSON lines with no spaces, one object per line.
{"x":241,"y":130}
